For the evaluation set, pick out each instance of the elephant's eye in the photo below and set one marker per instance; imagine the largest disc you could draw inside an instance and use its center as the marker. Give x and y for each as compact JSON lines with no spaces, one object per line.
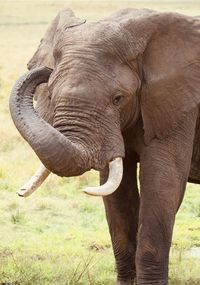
{"x":118,"y":99}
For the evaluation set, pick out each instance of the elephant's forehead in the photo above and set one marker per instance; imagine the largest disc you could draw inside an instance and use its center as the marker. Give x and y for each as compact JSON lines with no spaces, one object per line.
{"x":94,"y":31}
{"x":104,"y":35}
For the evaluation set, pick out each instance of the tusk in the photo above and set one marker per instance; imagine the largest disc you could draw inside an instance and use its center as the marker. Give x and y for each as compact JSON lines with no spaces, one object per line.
{"x":113,"y":182}
{"x":36,"y":180}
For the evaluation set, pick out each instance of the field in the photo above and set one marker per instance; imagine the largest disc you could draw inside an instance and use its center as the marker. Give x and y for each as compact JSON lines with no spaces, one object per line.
{"x":59,"y":236}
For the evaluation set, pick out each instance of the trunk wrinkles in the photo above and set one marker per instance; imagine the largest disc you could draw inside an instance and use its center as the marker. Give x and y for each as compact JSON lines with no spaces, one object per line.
{"x":85,"y":123}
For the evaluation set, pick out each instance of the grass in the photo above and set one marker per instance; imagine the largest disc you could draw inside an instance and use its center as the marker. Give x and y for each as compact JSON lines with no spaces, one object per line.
{"x":58,"y":235}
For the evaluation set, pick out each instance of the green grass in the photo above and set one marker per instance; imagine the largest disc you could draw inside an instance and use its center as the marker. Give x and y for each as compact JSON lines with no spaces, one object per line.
{"x":59,"y":235}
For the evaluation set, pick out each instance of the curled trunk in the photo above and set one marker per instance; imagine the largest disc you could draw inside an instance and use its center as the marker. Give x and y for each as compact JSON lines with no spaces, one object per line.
{"x":56,"y":152}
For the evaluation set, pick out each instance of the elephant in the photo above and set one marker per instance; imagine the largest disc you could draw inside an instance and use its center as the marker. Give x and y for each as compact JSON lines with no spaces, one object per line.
{"x":119,"y":95}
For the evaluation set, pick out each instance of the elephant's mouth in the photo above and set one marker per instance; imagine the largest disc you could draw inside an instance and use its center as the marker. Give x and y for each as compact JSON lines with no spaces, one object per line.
{"x":57,"y":153}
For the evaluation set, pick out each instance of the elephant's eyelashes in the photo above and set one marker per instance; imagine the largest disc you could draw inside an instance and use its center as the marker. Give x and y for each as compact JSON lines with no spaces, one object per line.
{"x":118,"y":99}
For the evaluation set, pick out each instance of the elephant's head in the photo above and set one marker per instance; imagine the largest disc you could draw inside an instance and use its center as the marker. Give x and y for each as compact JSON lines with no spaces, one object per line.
{"x":100,"y":78}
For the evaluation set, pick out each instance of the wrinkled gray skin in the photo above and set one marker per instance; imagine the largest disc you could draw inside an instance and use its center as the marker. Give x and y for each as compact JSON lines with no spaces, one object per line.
{"x":127,"y":86}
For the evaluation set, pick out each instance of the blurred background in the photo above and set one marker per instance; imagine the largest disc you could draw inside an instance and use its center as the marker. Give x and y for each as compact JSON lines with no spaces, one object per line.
{"x":58,"y":235}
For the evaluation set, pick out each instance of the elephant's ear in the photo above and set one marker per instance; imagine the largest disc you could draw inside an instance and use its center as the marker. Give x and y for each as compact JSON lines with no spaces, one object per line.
{"x":171,"y":74}
{"x":44,"y":53}
{"x":169,"y":45}
{"x":44,"y":57}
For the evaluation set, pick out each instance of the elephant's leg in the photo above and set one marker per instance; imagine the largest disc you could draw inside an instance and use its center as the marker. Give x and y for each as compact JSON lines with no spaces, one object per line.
{"x":164,"y":169}
{"x":122,"y":209}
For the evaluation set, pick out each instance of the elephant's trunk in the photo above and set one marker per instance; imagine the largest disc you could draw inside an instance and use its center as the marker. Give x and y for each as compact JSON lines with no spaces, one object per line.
{"x":56,"y":152}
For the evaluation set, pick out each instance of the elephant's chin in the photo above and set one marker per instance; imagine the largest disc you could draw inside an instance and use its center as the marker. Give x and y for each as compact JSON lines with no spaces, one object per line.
{"x":113,"y":182}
